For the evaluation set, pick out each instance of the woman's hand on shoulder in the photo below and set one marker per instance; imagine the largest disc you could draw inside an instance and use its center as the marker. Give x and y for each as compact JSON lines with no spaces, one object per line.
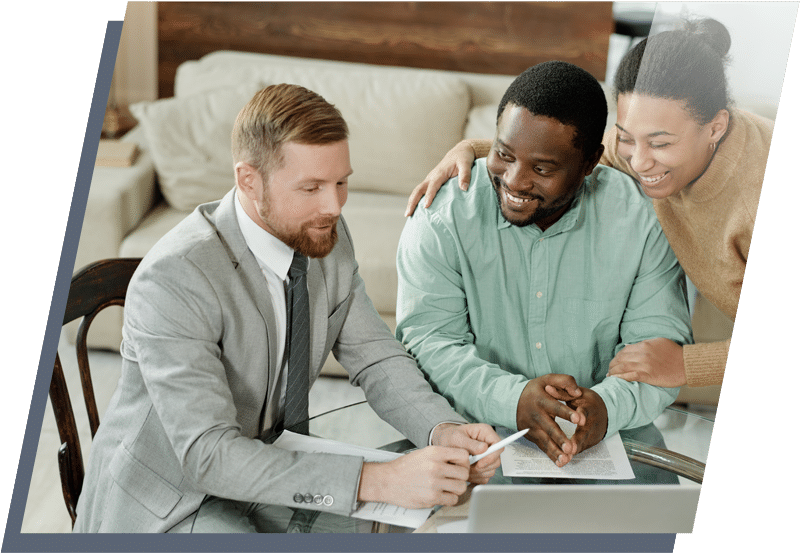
{"x":456,"y":163}
{"x":657,"y":362}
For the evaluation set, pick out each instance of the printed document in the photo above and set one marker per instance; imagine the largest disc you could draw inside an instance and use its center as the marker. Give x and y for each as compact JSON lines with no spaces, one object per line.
{"x":380,"y":512}
{"x":605,"y":461}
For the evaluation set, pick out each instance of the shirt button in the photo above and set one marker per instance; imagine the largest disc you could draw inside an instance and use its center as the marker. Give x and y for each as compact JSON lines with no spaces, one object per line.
{"x":308,"y":498}
{"x":539,"y":295}
{"x":328,"y":500}
{"x":538,"y":345}
{"x":318,"y":499}
{"x":298,"y":498}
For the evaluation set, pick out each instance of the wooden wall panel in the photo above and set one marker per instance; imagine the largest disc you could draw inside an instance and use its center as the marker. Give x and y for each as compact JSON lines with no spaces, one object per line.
{"x":482,"y":37}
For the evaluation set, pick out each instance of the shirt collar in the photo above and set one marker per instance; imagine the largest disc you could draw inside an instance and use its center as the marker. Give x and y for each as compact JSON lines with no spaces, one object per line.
{"x":268,"y":249}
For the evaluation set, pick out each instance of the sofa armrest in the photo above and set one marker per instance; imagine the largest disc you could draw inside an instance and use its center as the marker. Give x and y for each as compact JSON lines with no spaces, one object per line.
{"x":118,"y":200}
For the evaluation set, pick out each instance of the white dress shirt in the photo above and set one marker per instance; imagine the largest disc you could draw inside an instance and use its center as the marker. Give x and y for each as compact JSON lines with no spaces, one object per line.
{"x":274,"y":257}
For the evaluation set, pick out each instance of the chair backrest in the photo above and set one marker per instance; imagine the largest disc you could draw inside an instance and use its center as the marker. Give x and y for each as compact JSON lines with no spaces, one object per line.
{"x":93,"y":288}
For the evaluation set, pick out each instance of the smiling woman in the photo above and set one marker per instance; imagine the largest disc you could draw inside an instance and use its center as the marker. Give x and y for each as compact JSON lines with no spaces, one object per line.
{"x":702,"y":161}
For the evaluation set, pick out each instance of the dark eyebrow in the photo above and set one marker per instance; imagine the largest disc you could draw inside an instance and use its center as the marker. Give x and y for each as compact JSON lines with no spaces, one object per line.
{"x":499,"y":141}
{"x":653,"y":134}
{"x":551,"y":162}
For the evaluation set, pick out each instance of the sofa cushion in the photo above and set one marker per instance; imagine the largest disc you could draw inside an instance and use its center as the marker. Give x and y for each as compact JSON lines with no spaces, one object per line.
{"x":154,"y":226}
{"x":400,"y":127}
{"x":482,"y":122}
{"x":189,"y":140}
{"x":376,"y":222}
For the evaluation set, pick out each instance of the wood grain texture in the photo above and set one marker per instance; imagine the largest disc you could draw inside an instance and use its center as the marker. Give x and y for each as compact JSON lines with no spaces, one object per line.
{"x":482,"y":37}
{"x":92,"y":289}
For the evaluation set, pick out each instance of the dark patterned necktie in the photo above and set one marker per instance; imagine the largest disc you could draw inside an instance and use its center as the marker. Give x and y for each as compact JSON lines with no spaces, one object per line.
{"x":297,"y":346}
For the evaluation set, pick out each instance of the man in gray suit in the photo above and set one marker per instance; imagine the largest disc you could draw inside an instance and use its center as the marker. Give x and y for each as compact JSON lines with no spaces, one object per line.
{"x":207,"y":367}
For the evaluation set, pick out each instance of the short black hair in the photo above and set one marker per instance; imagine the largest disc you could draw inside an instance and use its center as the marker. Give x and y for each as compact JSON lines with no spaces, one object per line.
{"x":687,"y":65}
{"x":567,"y":93}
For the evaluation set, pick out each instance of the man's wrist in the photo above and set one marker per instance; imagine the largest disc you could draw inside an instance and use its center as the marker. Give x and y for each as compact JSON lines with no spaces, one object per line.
{"x":433,"y":438}
{"x":370,"y":485}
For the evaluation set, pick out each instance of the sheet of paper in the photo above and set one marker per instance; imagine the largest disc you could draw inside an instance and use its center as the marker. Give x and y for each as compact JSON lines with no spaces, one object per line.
{"x":380,"y":512}
{"x":605,"y":461}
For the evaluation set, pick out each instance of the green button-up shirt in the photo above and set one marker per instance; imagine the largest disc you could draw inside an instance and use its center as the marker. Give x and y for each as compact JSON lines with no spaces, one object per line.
{"x":485,"y":306}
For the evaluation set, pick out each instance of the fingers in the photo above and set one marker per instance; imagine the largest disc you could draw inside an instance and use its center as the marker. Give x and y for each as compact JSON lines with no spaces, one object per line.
{"x":549,"y":436}
{"x":474,"y":438}
{"x":415,"y":197}
{"x":464,"y":173}
{"x":433,"y":187}
{"x":558,"y":393}
{"x":482,"y":477}
{"x":477,"y":438}
{"x":593,"y":407}
{"x":447,"y":454}
{"x":451,"y":476}
{"x":559,"y":454}
{"x":555,"y":408}
{"x":564,"y":383}
{"x":537,"y":410}
{"x":473,"y":446}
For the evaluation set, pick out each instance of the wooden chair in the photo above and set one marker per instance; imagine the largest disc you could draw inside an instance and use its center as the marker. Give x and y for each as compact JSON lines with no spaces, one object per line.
{"x":93,"y":288}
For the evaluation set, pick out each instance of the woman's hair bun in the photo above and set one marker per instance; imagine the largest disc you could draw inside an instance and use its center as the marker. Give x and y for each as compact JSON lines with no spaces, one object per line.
{"x":712,"y":32}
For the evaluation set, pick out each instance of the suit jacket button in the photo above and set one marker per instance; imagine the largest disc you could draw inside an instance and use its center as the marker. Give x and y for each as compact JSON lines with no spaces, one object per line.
{"x":308,"y":498}
{"x":298,"y":497}
{"x":318,"y":499}
{"x":328,"y":500}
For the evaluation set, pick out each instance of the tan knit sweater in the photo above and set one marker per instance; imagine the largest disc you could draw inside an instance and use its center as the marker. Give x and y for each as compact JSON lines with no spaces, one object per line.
{"x":709,"y":226}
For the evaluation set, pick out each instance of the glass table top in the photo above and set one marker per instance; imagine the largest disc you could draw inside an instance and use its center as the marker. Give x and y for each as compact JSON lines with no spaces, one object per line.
{"x":672,"y":450}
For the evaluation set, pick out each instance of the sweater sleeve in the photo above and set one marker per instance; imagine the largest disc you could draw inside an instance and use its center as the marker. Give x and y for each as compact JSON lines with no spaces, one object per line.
{"x":610,"y":150}
{"x":480,"y":146}
{"x":705,"y":362}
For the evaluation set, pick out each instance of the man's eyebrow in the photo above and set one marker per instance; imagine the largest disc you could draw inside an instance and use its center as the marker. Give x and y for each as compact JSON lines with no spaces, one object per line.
{"x":548,"y":161}
{"x":653,"y":134}
{"x":316,"y":180}
{"x":499,"y":141}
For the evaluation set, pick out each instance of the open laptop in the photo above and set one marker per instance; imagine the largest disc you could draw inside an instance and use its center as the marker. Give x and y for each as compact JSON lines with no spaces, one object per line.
{"x":566,"y":509}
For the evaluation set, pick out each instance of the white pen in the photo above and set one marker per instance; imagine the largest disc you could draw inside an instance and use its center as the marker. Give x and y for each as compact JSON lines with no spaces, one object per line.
{"x":499,"y":445}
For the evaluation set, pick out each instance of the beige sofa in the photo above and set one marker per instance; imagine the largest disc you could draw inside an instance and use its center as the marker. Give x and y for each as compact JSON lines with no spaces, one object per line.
{"x":402,"y":121}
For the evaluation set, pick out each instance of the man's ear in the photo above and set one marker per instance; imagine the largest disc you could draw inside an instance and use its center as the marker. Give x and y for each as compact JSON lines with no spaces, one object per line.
{"x":248,"y":180}
{"x":593,"y":160}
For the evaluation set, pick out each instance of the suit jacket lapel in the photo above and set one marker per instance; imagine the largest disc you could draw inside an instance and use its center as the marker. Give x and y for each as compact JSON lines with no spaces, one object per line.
{"x":246,"y":265}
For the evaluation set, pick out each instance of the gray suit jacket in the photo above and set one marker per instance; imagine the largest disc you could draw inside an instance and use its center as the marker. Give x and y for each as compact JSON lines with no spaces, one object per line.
{"x":198,"y":351}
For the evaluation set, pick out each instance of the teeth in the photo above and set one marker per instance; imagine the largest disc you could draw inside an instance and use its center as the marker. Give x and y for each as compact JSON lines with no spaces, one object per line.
{"x":517,"y":200}
{"x":652,"y":180}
